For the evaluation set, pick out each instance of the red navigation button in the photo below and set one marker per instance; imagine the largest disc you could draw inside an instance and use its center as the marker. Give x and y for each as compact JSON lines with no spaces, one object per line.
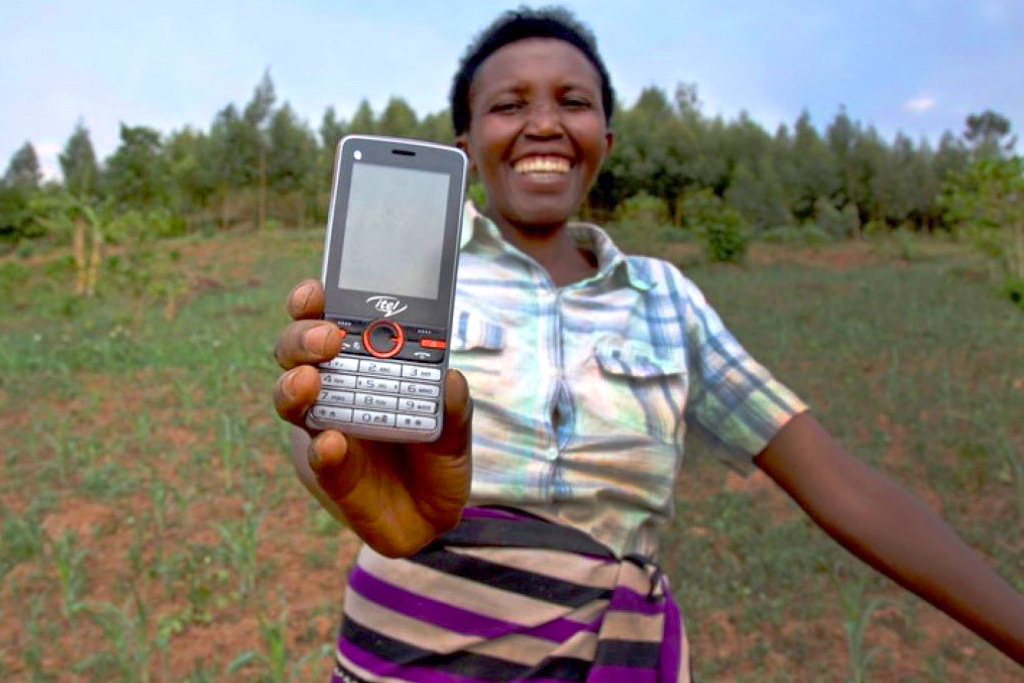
{"x":383,"y":338}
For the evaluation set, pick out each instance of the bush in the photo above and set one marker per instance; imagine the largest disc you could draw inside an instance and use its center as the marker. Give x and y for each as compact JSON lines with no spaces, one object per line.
{"x":723,"y":232}
{"x":1013,"y":288}
{"x":840,"y":224}
{"x":644,"y":209}
{"x":137,"y":225}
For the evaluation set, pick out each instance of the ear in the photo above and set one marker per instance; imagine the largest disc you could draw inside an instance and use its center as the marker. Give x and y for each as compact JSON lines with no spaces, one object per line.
{"x":462,"y":142}
{"x":609,"y":142}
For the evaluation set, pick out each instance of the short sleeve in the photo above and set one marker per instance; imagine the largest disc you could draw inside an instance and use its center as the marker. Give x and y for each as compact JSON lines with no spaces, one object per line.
{"x":732,"y":400}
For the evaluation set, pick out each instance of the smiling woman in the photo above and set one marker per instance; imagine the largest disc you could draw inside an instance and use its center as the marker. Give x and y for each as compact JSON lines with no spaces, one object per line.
{"x":522,"y":544}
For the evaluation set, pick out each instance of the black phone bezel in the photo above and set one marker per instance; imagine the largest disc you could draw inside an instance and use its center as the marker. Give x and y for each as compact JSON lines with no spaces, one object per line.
{"x":344,"y":303}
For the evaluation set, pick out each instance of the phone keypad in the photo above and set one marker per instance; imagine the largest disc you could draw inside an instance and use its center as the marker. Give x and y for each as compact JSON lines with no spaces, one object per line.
{"x":383,"y":393}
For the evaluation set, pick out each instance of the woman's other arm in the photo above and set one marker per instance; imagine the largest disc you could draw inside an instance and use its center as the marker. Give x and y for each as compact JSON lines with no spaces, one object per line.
{"x":891,"y":530}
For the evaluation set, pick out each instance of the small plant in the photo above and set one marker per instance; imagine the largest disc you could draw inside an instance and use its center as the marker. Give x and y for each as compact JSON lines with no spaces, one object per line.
{"x":856,"y":617}
{"x":21,"y":539}
{"x":68,"y":559}
{"x":134,"y":641}
{"x":273,"y":663}
{"x":241,"y":538}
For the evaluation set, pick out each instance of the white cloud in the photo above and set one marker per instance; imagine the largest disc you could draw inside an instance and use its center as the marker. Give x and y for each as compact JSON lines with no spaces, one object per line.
{"x":919,"y":105}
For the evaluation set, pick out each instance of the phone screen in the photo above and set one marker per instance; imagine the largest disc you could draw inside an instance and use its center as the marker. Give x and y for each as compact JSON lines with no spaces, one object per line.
{"x":394,"y":231}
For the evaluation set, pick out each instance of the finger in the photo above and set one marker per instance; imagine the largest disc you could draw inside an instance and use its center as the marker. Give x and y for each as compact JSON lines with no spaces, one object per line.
{"x":306,"y":300}
{"x":307,"y":341}
{"x":458,"y":416}
{"x":338,"y":468}
{"x":295,"y":392}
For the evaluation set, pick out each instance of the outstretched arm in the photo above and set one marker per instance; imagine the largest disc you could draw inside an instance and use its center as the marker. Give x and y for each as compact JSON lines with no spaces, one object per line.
{"x":887,"y":527}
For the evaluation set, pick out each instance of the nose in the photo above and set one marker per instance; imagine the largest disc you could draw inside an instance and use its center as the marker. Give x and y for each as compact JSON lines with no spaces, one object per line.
{"x":544,"y":120}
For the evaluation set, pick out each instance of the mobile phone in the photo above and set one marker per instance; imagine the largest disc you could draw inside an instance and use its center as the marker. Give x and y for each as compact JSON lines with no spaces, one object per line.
{"x":389,"y":268}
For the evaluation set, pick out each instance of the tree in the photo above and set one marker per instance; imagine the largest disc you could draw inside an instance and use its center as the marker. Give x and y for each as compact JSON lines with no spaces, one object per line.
{"x":292,"y":159}
{"x":758,"y":196}
{"x":363,"y":120}
{"x":23,"y":169}
{"x":78,"y":163}
{"x":137,"y":174}
{"x":987,"y":133}
{"x":985,"y":201}
{"x":192,"y":181}
{"x":225,"y":155}
{"x":398,"y":119}
{"x":437,"y":127}
{"x":816,"y":174}
{"x":256,"y":115}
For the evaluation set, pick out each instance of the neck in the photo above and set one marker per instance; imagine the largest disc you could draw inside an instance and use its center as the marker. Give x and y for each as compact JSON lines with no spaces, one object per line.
{"x":553,"y":248}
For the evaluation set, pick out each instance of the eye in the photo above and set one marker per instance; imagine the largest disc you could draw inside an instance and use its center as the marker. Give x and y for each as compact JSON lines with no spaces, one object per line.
{"x":506,"y":106}
{"x":576,"y":102}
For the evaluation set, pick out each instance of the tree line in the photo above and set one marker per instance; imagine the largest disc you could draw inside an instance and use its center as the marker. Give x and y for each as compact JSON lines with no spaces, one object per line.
{"x":260,"y":164}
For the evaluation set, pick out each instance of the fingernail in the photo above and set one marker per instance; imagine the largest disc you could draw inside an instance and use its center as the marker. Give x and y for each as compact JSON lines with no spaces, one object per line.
{"x":289,"y":384}
{"x":315,"y":340}
{"x":305,"y":293}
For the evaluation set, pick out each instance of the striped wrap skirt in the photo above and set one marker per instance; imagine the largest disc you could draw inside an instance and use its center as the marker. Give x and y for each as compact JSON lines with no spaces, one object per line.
{"x":510,"y":597}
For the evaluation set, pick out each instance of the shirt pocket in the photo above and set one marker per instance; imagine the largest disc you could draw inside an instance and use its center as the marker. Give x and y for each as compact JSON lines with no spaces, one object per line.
{"x":639,"y":390}
{"x":478,"y":351}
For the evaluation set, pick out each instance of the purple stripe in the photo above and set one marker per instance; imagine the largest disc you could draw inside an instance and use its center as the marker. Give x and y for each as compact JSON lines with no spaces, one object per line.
{"x":419,"y":674}
{"x":492,"y":513}
{"x":455,"y":618}
{"x":625,"y":599}
{"x":426,"y":609}
{"x":671,"y":643}
{"x":617,"y":674}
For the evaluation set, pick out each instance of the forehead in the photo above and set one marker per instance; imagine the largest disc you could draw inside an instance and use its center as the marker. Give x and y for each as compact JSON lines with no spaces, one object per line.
{"x":535,"y":59}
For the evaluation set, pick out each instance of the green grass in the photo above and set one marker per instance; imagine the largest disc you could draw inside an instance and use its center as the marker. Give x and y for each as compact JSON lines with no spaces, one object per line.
{"x":151,"y":526}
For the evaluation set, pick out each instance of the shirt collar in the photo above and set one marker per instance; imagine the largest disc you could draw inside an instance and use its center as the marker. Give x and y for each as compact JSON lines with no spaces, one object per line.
{"x":479,"y":229}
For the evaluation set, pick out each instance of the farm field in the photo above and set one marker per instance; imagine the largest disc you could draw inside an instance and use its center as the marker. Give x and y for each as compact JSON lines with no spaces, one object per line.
{"x":151,"y":528}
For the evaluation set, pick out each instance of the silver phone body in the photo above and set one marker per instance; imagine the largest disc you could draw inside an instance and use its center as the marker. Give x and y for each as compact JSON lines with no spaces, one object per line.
{"x":389,"y":271}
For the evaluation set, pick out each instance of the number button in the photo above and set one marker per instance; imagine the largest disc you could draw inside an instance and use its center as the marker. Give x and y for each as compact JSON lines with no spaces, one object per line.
{"x":329,"y":379}
{"x":377,"y":368}
{"x":369,"y":417}
{"x":416,"y":422}
{"x":376,"y":401}
{"x":418,"y":372}
{"x":333,"y":414}
{"x":377,"y":384}
{"x":415,"y":405}
{"x":341,"y":363}
{"x":341,"y":398}
{"x":412,"y":389}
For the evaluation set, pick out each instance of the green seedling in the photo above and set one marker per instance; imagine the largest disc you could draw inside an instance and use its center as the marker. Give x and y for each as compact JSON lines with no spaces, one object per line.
{"x":69,"y":561}
{"x":240,"y":539}
{"x":856,"y":618}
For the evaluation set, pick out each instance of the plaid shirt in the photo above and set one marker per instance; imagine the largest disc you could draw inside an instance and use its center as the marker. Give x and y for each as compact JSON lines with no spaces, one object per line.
{"x":583,"y":394}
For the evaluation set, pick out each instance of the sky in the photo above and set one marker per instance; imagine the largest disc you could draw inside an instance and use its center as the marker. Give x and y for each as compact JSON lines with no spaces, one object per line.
{"x":916,"y":66}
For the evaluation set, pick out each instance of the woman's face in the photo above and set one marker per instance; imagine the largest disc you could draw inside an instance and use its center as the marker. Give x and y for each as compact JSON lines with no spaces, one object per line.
{"x":537,"y":134}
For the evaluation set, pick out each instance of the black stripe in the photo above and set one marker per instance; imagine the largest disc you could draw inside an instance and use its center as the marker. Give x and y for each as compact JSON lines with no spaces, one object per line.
{"x":513,"y":580}
{"x":628,"y":653}
{"x":562,"y":668}
{"x":462,"y":663}
{"x":523,"y":534}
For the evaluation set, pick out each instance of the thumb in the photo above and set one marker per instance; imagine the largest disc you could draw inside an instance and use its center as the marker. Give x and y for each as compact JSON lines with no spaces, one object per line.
{"x":457,"y":422}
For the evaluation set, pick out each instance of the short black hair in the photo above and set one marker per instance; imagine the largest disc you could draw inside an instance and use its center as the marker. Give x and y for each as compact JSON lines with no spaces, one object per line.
{"x":520,"y":24}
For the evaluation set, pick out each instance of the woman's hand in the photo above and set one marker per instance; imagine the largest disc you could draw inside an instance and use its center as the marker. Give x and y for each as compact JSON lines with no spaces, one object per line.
{"x":395,"y":496}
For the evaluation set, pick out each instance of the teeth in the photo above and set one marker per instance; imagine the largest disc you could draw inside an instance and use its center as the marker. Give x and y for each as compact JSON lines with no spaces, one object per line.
{"x":542,"y":165}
